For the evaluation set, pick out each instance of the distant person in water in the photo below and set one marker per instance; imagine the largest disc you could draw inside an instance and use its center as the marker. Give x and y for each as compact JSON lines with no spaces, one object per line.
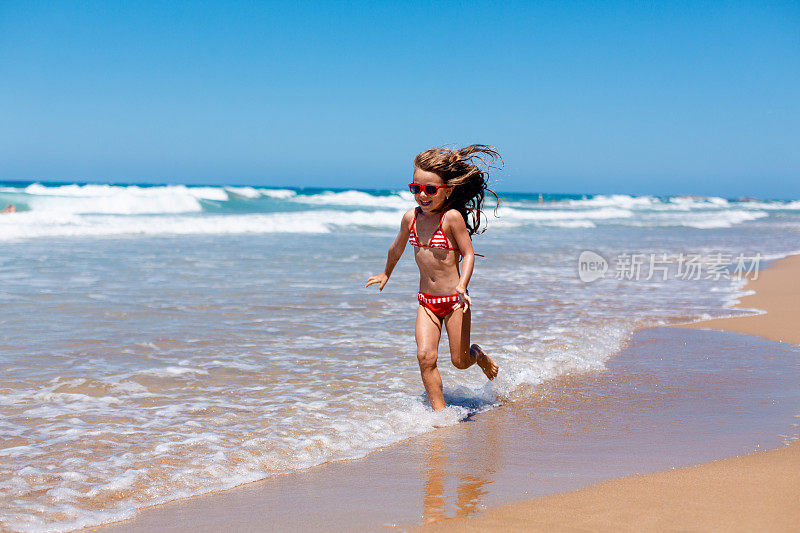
{"x":9,"y":209}
{"x":449,"y":189}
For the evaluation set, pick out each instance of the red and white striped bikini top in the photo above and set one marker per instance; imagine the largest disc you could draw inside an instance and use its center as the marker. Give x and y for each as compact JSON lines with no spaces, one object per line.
{"x":438,"y":239}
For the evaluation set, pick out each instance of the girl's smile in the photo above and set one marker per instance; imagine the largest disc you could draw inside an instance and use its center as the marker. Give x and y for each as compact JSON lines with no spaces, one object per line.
{"x":430,"y":202}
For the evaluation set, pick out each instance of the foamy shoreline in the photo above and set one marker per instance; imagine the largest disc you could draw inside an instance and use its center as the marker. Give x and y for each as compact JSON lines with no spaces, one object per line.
{"x":391,"y":486}
{"x":756,"y":492}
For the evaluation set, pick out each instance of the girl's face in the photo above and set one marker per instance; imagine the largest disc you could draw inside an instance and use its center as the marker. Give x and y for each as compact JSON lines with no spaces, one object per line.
{"x":430,"y":203}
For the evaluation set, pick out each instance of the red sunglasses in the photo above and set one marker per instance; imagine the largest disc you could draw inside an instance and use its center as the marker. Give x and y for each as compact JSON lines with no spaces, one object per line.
{"x":430,"y":190}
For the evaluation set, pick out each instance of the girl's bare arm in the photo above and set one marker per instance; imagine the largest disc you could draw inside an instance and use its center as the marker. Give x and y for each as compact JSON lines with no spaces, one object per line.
{"x":395,"y":252}
{"x":458,"y":229}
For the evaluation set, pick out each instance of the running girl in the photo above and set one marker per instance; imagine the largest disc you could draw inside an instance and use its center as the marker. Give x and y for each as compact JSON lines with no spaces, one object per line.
{"x":449,"y":189}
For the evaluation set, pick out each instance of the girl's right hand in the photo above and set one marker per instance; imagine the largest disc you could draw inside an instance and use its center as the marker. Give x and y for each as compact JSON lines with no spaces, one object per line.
{"x":380,"y":278}
{"x":464,"y":301}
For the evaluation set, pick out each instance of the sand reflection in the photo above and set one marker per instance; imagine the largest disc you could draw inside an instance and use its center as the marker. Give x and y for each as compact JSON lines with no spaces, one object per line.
{"x":457,"y":477}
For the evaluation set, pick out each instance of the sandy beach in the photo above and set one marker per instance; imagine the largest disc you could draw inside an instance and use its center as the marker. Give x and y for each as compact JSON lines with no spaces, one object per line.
{"x":755,"y":492}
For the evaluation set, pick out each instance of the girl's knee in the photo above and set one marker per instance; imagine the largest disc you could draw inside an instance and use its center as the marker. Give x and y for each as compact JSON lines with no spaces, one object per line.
{"x":460,"y":364}
{"x":461,"y":361}
{"x":426,"y":357}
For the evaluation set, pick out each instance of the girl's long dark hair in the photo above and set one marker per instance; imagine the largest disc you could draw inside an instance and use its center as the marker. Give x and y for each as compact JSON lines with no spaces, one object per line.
{"x":461,"y":169}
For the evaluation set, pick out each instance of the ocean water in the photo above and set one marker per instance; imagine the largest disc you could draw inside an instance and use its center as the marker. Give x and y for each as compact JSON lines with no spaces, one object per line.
{"x":158,"y":342}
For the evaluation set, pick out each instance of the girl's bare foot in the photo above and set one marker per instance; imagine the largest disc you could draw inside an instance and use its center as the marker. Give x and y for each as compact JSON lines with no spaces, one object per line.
{"x":486,"y":363}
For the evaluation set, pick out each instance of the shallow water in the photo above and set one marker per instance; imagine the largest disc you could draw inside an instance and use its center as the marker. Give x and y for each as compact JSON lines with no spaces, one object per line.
{"x":163,"y":342}
{"x":671,"y":398}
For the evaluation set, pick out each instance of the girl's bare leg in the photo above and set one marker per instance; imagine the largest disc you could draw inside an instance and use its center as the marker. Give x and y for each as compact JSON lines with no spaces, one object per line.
{"x":458,"y":324}
{"x":428,"y":331}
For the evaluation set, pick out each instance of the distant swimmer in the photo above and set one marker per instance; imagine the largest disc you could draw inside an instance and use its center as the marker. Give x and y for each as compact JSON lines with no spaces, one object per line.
{"x":449,"y":189}
{"x":9,"y":209}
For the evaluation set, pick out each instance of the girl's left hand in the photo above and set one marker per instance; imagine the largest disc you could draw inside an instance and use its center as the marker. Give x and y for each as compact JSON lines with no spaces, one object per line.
{"x":464,"y":301}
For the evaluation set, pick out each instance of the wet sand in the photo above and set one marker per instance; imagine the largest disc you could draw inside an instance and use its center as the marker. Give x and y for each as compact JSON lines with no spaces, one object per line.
{"x":755,"y":492}
{"x":777,"y":291}
{"x":673,"y":397}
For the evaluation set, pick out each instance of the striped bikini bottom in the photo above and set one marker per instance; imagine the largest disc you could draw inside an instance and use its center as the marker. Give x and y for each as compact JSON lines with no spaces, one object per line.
{"x":441,"y":304}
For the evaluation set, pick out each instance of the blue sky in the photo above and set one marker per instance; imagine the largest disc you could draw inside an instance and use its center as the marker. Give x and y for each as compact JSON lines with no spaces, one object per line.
{"x":579,"y":97}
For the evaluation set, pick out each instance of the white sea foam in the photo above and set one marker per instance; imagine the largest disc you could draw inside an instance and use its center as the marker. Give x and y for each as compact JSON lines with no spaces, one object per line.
{"x":214,"y":441}
{"x":570,"y":223}
{"x":212,"y":460}
{"x":674,"y":203}
{"x":605,"y":213}
{"x":108,"y":210}
{"x":357,"y":198}
{"x":576,"y":218}
{"x":244,"y":192}
{"x":697,"y":219}
{"x":128,"y":200}
{"x":623,"y":201}
{"x":280,"y":194}
{"x":34,"y":224}
{"x":771,"y":205}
